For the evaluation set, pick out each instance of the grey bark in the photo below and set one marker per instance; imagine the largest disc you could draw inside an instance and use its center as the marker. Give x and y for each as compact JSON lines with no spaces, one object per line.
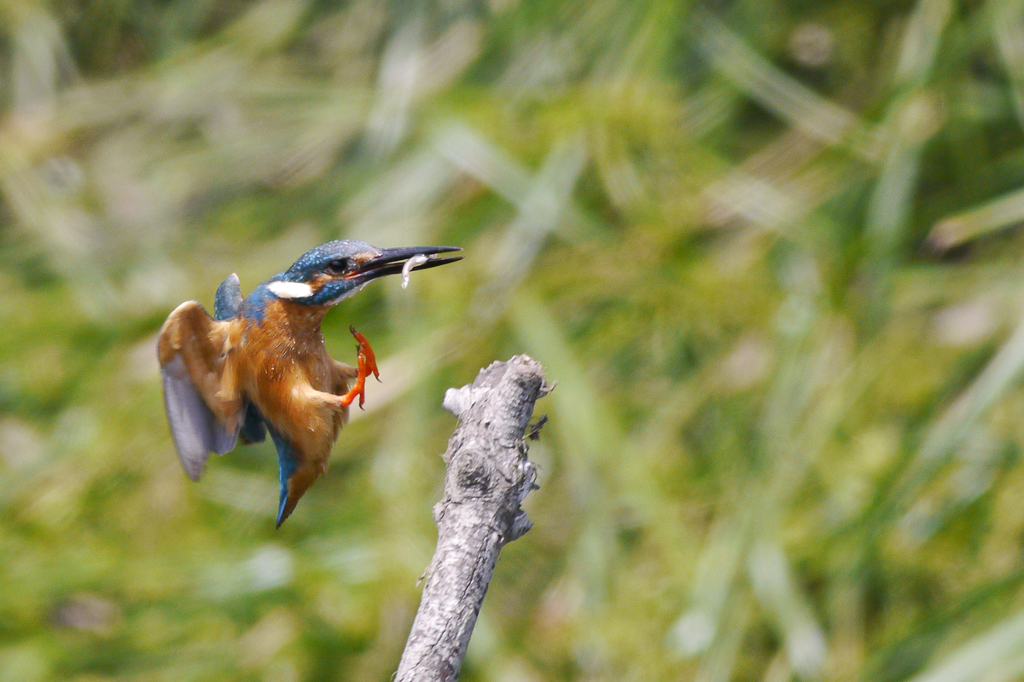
{"x":488,"y":476}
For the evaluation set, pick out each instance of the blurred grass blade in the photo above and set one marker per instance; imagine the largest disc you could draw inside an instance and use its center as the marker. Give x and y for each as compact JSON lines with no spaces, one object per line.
{"x":708,"y":108}
{"x":597,"y":435}
{"x":1006,"y":211}
{"x":589,"y":433}
{"x":921,"y":41}
{"x":913,"y":116}
{"x":701,"y":625}
{"x":410,"y":69}
{"x":446,"y":58}
{"x":891,"y":201}
{"x":483,"y":161}
{"x":957,"y":423}
{"x":392,"y":209}
{"x":983,"y":657}
{"x":266,"y":25}
{"x":761,"y":80}
{"x":754,"y":200}
{"x":400,"y":69}
{"x":492,"y":166}
{"x":910,"y":122}
{"x":776,"y":187}
{"x":1008,"y":34}
{"x":775,"y":588}
{"x":40,"y":62}
{"x":540,"y":214}
{"x":719,"y":665}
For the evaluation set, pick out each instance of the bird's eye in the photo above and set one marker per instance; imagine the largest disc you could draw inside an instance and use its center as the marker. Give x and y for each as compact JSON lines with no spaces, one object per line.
{"x":338,"y":265}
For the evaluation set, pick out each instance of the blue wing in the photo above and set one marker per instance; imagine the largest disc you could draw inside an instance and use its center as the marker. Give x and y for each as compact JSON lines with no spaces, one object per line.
{"x":226,"y":303}
{"x":254,"y":429}
{"x":228,"y":298}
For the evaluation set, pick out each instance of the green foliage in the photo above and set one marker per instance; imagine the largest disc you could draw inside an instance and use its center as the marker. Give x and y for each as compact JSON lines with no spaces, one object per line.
{"x":767,"y":249}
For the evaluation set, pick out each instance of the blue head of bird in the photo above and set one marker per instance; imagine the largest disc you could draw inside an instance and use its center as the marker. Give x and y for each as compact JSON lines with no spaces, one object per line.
{"x":334,"y":271}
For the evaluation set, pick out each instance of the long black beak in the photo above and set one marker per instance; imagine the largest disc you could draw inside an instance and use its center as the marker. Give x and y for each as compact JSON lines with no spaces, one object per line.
{"x":391,"y":261}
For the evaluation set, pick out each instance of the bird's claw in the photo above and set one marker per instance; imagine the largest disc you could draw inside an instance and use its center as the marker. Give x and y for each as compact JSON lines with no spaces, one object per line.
{"x":366,"y":353}
{"x":367,"y":365}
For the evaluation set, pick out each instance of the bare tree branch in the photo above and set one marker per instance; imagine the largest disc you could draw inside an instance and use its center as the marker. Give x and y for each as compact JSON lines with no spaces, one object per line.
{"x":487,"y":479}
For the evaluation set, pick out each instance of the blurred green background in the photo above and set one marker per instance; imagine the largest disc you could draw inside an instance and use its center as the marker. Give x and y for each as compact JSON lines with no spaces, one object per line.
{"x":768,"y":249}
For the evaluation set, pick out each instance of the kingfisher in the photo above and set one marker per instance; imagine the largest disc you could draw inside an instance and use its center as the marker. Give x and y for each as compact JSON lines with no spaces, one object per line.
{"x":259,"y":364}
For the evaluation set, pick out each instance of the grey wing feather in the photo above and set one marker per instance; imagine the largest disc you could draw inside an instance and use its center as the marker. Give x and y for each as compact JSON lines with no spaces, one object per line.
{"x":228,"y":298}
{"x":195,"y":429}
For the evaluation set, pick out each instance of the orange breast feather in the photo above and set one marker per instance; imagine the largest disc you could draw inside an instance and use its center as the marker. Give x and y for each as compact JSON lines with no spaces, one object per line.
{"x":284,"y":368}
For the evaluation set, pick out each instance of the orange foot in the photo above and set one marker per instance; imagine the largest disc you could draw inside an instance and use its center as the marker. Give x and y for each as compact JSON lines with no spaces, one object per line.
{"x":367,"y":364}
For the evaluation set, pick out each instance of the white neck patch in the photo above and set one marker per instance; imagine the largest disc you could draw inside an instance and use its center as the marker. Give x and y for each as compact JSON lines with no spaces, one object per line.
{"x":290,"y":289}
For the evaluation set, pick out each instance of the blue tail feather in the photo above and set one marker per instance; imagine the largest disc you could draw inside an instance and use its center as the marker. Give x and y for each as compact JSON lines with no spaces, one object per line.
{"x":287,"y":464}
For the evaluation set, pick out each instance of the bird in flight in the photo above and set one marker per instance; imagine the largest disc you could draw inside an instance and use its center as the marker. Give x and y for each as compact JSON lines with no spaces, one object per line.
{"x":259,"y":364}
